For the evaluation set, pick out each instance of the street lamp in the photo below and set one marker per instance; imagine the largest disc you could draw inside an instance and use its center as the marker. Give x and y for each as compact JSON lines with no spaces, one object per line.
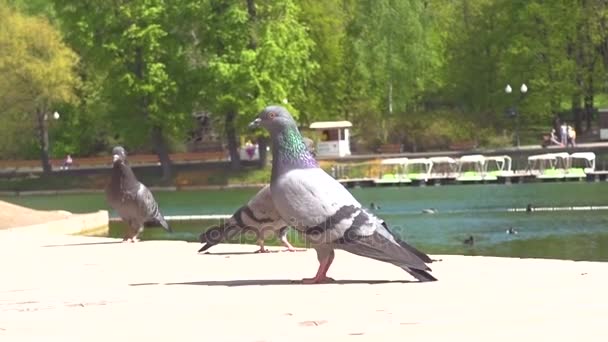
{"x":513,"y":112}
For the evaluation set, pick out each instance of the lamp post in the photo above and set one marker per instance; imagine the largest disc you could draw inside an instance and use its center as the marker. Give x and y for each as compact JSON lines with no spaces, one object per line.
{"x":43,"y":134}
{"x":513,"y":112}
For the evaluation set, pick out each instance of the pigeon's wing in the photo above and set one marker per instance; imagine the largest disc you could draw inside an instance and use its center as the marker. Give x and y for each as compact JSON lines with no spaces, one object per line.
{"x":124,"y":204}
{"x":260,"y":213}
{"x":310,"y":200}
{"x":148,"y":208}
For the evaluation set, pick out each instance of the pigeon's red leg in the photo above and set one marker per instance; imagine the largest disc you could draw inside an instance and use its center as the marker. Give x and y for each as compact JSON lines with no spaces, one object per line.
{"x":287,"y":245}
{"x":284,"y":241}
{"x":326,"y":257}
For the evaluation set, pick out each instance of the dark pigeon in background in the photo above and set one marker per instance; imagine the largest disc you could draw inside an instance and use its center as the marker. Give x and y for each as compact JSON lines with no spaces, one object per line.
{"x":313,"y":202}
{"x":132,"y":200}
{"x":258,"y":216}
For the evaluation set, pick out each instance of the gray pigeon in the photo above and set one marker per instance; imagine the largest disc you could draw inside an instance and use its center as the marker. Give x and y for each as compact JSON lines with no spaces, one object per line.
{"x":313,"y":202}
{"x":132,"y":200}
{"x":258,"y":216}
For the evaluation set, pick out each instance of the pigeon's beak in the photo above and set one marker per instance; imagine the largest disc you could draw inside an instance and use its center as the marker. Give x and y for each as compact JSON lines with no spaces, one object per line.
{"x":115,"y":157}
{"x":255,"y":123}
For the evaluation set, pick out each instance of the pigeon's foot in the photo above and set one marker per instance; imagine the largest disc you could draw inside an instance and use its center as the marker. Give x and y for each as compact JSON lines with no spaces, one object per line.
{"x":292,"y":249}
{"x":318,"y":280}
{"x":130,"y":239}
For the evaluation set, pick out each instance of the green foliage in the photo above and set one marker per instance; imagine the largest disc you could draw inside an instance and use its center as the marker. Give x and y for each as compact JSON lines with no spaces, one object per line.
{"x":145,"y":73}
{"x":253,"y":62}
{"x":38,"y":76}
{"x":423,"y":73}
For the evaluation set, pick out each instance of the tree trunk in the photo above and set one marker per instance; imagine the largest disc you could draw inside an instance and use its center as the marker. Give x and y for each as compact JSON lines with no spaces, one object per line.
{"x":576,"y":110}
{"x":252,"y":19}
{"x":262,"y":144}
{"x":43,"y":139}
{"x":160,"y":146}
{"x":156,"y":135}
{"x":588,"y":111}
{"x":235,"y":160}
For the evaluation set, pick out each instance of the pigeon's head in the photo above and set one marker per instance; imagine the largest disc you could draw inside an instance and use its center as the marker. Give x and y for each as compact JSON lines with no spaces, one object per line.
{"x":274,"y":119}
{"x":119,"y":155}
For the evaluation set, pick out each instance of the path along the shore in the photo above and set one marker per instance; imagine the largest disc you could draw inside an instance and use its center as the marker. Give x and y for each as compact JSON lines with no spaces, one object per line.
{"x":75,"y":288}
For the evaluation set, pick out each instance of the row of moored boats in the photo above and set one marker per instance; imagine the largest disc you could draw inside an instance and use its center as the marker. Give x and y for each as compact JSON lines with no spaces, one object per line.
{"x":478,"y":167}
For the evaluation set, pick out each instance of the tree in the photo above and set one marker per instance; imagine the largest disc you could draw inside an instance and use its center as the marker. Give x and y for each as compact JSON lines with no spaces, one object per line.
{"x":256,"y":54}
{"x":38,"y":71}
{"x":326,"y":23}
{"x":141,"y":49}
{"x":390,"y":60}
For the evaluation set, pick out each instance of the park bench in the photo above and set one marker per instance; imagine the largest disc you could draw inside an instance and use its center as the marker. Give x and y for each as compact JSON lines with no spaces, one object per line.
{"x":199,"y":156}
{"x":390,"y":148}
{"x":463,"y":145}
{"x":26,"y":164}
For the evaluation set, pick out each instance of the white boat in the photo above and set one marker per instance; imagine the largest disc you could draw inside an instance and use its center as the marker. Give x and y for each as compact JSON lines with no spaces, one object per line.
{"x":471,"y":168}
{"x":443,"y":168}
{"x":392,"y":171}
{"x":581,"y":163}
{"x":548,"y":165}
{"x":498,"y":166}
{"x":419,"y":169}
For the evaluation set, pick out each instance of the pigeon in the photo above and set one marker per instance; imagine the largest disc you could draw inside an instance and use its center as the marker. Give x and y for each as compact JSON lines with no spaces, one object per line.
{"x":469,"y":241}
{"x":132,"y":200}
{"x":327,"y":214}
{"x":258,"y":216}
{"x":374,"y":206}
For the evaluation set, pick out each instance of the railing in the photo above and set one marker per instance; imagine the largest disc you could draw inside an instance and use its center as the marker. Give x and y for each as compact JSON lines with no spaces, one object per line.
{"x":136,"y":159}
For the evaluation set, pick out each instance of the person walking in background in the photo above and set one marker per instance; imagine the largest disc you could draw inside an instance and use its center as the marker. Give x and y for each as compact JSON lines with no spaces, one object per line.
{"x":571,"y":134}
{"x":67,"y":163}
{"x":563,"y":134}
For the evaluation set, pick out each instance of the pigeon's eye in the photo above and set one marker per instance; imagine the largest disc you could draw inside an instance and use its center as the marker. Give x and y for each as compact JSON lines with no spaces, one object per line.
{"x":272,"y":115}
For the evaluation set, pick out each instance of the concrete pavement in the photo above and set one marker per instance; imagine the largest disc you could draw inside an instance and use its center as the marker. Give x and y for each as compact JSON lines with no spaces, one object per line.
{"x":74,"y":288}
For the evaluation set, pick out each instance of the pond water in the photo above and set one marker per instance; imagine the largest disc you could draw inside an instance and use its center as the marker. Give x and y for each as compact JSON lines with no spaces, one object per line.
{"x":484,"y":211}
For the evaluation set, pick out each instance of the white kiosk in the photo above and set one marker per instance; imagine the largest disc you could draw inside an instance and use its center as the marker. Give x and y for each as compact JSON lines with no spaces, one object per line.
{"x":335,"y":138}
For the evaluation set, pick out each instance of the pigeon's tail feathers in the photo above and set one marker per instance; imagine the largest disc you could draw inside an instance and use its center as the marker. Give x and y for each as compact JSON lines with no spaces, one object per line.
{"x":211,"y":237}
{"x":377,"y":246}
{"x":163,"y":223}
{"x":423,"y":256}
{"x":217,"y":234}
{"x":159,"y":222}
{"x":421,"y":275}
